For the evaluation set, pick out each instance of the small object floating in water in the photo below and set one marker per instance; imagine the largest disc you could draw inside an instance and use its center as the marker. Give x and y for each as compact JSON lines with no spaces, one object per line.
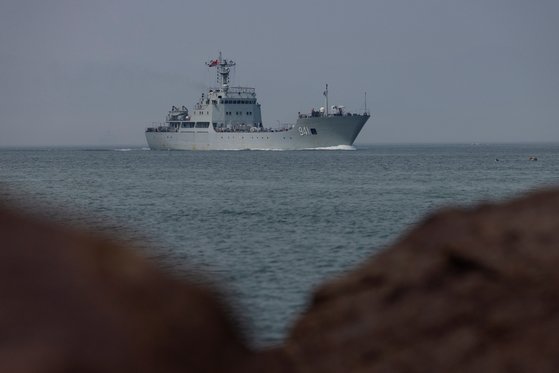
{"x":532,"y":158}
{"x":496,"y":159}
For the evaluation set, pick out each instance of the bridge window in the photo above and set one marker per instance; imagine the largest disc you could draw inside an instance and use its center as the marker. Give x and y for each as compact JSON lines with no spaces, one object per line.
{"x":202,"y":124}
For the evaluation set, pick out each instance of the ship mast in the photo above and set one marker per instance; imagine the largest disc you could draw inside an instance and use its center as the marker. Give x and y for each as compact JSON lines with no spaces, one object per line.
{"x":326,"y":98}
{"x":223,"y":68}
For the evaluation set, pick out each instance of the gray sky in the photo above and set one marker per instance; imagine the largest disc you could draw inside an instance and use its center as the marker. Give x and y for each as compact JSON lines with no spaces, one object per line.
{"x":98,"y":72}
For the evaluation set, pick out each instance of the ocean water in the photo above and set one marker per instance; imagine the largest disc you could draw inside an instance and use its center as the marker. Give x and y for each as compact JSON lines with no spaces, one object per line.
{"x":267,"y":226}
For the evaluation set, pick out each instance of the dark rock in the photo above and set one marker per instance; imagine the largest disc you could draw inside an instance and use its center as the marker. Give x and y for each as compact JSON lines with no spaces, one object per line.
{"x":73,"y":303}
{"x":468,"y":290}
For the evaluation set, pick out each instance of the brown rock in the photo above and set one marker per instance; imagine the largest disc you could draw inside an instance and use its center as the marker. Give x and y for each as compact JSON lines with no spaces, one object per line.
{"x":73,"y":303}
{"x":468,"y":290}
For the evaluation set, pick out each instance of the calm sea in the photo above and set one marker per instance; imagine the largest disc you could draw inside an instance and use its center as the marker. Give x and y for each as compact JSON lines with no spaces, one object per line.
{"x":268,"y":226}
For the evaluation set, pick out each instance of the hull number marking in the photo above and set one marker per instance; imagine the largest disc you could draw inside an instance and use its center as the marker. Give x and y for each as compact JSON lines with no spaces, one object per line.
{"x":304,"y":131}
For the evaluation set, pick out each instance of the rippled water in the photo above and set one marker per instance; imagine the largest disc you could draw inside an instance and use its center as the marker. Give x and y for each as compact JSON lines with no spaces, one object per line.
{"x":267,"y":225}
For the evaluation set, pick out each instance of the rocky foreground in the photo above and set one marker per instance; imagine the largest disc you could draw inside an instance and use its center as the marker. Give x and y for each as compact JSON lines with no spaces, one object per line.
{"x":471,"y":290}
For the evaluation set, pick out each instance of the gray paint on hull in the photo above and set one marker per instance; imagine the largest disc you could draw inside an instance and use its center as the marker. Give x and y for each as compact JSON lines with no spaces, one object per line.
{"x":331,"y":131}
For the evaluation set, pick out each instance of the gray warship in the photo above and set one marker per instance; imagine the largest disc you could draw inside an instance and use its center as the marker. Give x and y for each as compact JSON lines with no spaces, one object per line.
{"x":229,"y":118}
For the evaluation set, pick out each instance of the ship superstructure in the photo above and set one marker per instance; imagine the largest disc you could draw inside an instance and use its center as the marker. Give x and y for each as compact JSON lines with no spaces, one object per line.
{"x":229,"y":118}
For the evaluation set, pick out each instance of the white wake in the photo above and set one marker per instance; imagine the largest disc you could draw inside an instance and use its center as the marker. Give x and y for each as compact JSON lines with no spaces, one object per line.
{"x":337,"y":147}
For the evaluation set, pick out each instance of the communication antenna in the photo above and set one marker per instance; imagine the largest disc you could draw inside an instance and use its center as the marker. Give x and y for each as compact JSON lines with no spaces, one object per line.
{"x":365,"y":102}
{"x":223,"y":68}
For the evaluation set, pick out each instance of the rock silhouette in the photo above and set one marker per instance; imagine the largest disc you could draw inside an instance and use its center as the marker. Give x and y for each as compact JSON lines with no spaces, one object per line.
{"x":467,"y":290}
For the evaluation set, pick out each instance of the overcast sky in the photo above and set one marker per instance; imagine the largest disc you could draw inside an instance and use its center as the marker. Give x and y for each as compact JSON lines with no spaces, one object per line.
{"x":99,"y":72}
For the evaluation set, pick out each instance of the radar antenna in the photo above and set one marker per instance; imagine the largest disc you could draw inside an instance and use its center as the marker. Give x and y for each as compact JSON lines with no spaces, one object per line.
{"x":223,"y":68}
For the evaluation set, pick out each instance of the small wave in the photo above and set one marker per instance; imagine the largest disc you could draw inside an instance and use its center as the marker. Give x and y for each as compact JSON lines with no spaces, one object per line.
{"x":337,"y":147}
{"x":269,"y":149}
{"x":130,"y":149}
{"x":253,"y":149}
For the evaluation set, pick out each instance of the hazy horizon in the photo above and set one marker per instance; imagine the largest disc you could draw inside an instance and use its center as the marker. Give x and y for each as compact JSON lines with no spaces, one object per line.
{"x":96,"y":74}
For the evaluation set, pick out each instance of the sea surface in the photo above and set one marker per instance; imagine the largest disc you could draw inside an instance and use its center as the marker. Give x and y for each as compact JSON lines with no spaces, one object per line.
{"x":266,"y":226}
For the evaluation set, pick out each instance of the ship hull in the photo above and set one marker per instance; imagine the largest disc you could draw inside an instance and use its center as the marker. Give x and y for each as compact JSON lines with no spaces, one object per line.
{"x":307,"y":133}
